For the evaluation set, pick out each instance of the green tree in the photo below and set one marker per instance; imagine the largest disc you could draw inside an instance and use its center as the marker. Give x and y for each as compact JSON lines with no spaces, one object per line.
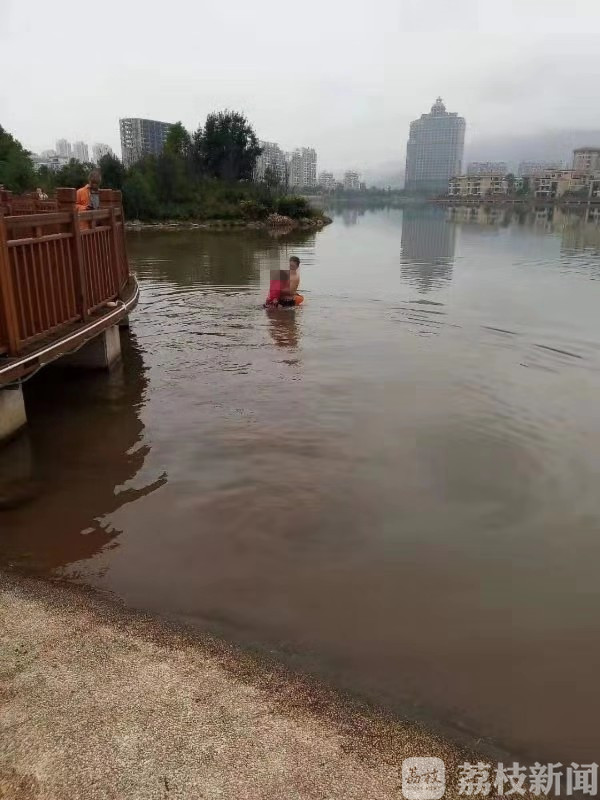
{"x":227,"y":147}
{"x":525,"y":187}
{"x":16,"y":167}
{"x":178,"y":141}
{"x":113,"y":171}
{"x":139,"y":197}
{"x":74,"y":174}
{"x":510,"y":183}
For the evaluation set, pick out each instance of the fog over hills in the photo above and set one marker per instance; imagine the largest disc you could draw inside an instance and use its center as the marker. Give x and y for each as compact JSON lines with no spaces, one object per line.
{"x":556,"y":145}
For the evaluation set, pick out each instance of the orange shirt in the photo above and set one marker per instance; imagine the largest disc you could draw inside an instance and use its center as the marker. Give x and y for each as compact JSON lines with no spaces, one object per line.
{"x":84,"y":197}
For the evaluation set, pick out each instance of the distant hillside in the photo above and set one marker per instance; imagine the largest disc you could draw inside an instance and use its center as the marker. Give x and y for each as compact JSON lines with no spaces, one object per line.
{"x":547,"y":146}
{"x":390,"y":173}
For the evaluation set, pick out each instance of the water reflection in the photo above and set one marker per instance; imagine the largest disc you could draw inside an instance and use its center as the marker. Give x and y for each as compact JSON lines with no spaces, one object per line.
{"x":428,"y":245}
{"x":328,"y":469}
{"x":81,"y":458}
{"x":214,"y":258}
{"x":283,"y":328}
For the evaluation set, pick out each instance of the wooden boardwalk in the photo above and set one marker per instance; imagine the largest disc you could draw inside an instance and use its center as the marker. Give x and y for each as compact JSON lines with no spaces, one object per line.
{"x":64,"y":277}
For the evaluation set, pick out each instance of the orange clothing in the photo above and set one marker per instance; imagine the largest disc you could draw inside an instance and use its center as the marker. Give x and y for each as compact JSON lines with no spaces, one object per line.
{"x":84,"y":198}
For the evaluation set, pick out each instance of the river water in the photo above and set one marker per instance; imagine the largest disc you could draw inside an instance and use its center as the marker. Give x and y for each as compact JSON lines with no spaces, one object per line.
{"x":394,"y":486}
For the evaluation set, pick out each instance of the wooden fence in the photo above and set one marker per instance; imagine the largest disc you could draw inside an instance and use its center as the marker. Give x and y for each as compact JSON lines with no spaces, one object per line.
{"x":57,"y":266}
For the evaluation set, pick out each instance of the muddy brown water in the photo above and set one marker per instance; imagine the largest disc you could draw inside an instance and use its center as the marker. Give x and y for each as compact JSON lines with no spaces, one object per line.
{"x":395,"y":486}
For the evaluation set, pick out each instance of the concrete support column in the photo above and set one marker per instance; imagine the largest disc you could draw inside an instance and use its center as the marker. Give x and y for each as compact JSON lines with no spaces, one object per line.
{"x":102,"y":352}
{"x":12,"y":412}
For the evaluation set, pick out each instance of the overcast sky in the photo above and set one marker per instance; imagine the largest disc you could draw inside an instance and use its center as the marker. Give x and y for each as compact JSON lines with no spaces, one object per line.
{"x":343,"y":76}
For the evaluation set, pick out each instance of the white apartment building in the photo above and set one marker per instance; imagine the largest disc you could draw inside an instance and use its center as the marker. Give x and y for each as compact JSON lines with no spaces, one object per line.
{"x":481,"y":185}
{"x":50,"y":160}
{"x":586,"y":159}
{"x":99,"y":150}
{"x":351,"y":180}
{"x":327,"y":181}
{"x":80,"y":152}
{"x":302,"y":165}
{"x":63,"y":148}
{"x":555,"y":183}
{"x":273,"y":158}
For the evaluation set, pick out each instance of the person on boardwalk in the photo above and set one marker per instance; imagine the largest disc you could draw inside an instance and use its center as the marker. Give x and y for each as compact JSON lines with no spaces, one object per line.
{"x":88,"y":197}
{"x":283,"y":288}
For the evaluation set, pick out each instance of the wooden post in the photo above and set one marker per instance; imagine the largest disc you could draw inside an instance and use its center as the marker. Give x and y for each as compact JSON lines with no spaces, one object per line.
{"x":66,"y":199}
{"x":7,"y":296}
{"x":105,"y":197}
{"x":118,"y":202}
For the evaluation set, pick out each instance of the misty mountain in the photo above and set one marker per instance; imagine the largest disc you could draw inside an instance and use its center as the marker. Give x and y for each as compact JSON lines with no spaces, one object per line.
{"x":546,"y":146}
{"x":390,"y":173}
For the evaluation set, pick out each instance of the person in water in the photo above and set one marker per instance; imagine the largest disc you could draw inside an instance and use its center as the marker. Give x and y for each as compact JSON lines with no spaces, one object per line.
{"x":283,"y":288}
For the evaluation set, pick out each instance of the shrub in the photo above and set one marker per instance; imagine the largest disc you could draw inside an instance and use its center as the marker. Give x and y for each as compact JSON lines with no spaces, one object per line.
{"x":294,"y":207}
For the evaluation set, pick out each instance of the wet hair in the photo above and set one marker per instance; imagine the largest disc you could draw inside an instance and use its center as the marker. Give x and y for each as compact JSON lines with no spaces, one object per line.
{"x":95,"y":176}
{"x":296,"y":260}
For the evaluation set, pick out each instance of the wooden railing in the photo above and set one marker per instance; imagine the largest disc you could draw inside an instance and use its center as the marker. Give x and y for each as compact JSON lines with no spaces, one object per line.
{"x":58,"y":267}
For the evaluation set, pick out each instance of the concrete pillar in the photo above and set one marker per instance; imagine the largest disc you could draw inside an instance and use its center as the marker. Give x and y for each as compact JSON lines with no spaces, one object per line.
{"x":12,"y":412}
{"x":102,"y":352}
{"x":17,"y":482}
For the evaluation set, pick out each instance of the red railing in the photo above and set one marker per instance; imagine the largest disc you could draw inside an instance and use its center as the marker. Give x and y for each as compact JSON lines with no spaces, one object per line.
{"x":58,"y":267}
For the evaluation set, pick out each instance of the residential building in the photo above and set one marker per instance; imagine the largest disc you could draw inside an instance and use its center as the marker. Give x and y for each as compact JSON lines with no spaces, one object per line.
{"x":586,"y":159}
{"x":99,"y":150}
{"x":487,"y":168}
{"x":142,"y":137}
{"x":80,"y":152}
{"x":435,"y":149}
{"x":272,"y":158}
{"x":50,"y":160}
{"x":552,"y":184}
{"x":326,"y":181}
{"x":351,"y":181}
{"x":528,"y":169}
{"x":302,"y":165}
{"x":482,"y":185}
{"x":63,"y":148}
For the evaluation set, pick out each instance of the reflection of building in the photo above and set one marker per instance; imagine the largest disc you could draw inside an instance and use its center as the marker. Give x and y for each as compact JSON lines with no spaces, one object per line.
{"x":352,"y":181}
{"x":479,"y":214}
{"x":435,"y":149}
{"x":487,"y":168}
{"x":142,"y":137}
{"x":586,"y":159}
{"x":303,"y":167}
{"x":272,"y":158}
{"x":428,"y":244}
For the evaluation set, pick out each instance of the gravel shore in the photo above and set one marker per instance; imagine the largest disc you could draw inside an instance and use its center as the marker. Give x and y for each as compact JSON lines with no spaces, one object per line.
{"x":97,"y":702}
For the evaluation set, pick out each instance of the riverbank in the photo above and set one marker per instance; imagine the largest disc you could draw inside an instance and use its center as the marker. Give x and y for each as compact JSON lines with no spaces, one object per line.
{"x":98,"y":702}
{"x":274,"y":223}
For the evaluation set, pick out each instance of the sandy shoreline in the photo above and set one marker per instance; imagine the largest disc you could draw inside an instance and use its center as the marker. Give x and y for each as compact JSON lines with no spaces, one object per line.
{"x":100,"y":702}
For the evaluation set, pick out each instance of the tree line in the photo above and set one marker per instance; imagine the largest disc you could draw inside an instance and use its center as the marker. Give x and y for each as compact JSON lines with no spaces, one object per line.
{"x":208,"y":174}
